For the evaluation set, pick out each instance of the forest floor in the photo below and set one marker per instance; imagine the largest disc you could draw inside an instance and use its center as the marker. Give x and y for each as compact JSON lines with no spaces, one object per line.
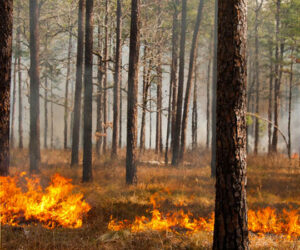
{"x":272,"y":181}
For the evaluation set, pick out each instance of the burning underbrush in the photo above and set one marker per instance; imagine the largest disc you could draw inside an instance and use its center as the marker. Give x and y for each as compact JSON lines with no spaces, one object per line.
{"x":263,"y":221}
{"x":23,"y":201}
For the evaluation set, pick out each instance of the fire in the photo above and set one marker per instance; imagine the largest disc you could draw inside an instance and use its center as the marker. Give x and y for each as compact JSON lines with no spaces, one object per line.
{"x":57,"y":205}
{"x":261,"y":222}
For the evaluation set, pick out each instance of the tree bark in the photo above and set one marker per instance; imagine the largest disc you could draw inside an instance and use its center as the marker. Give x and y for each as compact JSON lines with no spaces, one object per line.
{"x":195,"y":112}
{"x":231,"y":230}
{"x":78,"y":85}
{"x":6,"y":29}
{"x":277,"y":80}
{"x":208,"y":86}
{"x":121,"y":106}
{"x":290,"y":105}
{"x":34,"y":145}
{"x":174,"y":66}
{"x":257,"y":71}
{"x":117,"y":77}
{"x":131,"y":168}
{"x":66,"y":104}
{"x":190,"y":78}
{"x":105,"y":77}
{"x":270,"y":101}
{"x":176,"y":145}
{"x":20,"y":83}
{"x":87,"y":174}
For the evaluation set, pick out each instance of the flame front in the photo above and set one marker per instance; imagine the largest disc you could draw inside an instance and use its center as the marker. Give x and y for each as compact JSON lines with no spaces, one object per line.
{"x":261,"y":222}
{"x":54,"y":206}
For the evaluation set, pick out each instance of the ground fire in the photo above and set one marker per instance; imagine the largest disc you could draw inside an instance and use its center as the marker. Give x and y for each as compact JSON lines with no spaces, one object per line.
{"x":262,"y":221}
{"x":23,"y":201}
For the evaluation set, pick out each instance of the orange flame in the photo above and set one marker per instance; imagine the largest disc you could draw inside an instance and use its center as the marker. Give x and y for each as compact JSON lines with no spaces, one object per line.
{"x":262,"y":221}
{"x":54,"y":206}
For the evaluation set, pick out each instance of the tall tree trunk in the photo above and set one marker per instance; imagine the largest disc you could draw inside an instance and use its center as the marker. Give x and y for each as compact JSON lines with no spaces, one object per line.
{"x":277,"y":80}
{"x":146,"y":85}
{"x":270,"y":100}
{"x":121,"y":106}
{"x":105,"y":77}
{"x":87,"y":174}
{"x":195,"y":112}
{"x":6,"y":29}
{"x":51,"y":117}
{"x":78,"y":85}
{"x":176,"y":144}
{"x":66,"y":104}
{"x":290,"y":105}
{"x":99,"y":128}
{"x":190,"y":79}
{"x":174,"y":66}
{"x":46,"y":99}
{"x":256,"y":138}
{"x":34,"y":145}
{"x":117,"y":77}
{"x":150,"y":118}
{"x":231,"y":229}
{"x":13,"y":108}
{"x":158,"y":138}
{"x":20,"y":83}
{"x":133,"y":74}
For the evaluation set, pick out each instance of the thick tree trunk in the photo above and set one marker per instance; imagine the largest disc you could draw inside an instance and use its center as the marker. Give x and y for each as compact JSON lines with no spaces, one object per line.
{"x":78,"y":85}
{"x":214,"y":96}
{"x":190,"y":79}
{"x":105,"y":77}
{"x":231,"y":230}
{"x":174,"y":66}
{"x":66,"y":104}
{"x":117,"y":77}
{"x":176,"y":144}
{"x":133,"y":73}
{"x":277,"y":80}
{"x":6,"y":22}
{"x":270,"y":101}
{"x":34,"y":145}
{"x":87,"y":174}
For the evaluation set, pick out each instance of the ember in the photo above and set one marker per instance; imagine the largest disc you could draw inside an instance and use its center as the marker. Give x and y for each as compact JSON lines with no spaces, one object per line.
{"x":29,"y":203}
{"x":262,"y":221}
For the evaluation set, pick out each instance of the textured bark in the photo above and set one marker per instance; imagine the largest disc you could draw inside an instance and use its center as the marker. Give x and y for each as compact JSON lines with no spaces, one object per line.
{"x":66,"y":104}
{"x":214,"y":97}
{"x":105,"y":77}
{"x":6,"y":22}
{"x":231,"y":230}
{"x":87,"y":174}
{"x":117,"y":77}
{"x":277,"y":80}
{"x":174,"y":66}
{"x":257,"y":71}
{"x":78,"y":85}
{"x":20,"y":83}
{"x":190,"y":78}
{"x":34,"y":145}
{"x":176,"y":144}
{"x":133,"y":73}
{"x":270,"y":103}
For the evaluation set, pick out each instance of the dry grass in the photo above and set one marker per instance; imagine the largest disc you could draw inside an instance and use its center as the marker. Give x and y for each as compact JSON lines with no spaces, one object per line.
{"x":271,"y":182}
